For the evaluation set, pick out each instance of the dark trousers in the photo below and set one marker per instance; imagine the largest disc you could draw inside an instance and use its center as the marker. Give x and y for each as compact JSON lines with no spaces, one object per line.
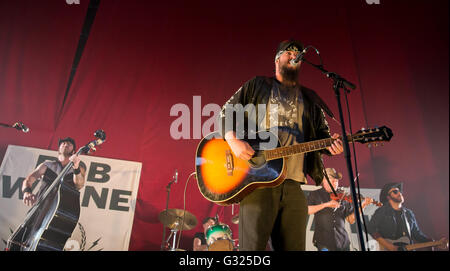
{"x":280,"y":213}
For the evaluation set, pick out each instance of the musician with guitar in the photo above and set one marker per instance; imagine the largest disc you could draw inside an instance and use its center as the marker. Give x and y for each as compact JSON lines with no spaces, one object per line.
{"x":278,"y":212}
{"x":395,"y":227}
{"x":330,"y":213}
{"x":66,"y":153}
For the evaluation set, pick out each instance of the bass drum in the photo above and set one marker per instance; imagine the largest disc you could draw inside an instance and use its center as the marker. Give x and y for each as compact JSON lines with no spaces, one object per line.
{"x":218,"y":238}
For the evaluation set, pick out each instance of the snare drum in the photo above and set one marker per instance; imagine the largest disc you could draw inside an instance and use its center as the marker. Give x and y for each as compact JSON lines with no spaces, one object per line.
{"x":218,"y":238}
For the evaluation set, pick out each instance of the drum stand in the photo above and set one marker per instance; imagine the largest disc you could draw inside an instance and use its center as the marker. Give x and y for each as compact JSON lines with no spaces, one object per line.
{"x":173,"y":232}
{"x":174,"y":180}
{"x":176,"y":220}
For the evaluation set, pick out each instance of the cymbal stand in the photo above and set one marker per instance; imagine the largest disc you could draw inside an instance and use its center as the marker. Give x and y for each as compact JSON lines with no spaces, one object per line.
{"x":173,"y":232}
{"x":174,"y":180}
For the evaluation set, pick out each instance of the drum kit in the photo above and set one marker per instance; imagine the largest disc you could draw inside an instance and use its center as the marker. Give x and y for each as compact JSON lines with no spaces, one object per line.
{"x":218,"y":236}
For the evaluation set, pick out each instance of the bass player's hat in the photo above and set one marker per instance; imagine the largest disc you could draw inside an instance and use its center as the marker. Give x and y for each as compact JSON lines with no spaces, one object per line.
{"x":67,"y":139}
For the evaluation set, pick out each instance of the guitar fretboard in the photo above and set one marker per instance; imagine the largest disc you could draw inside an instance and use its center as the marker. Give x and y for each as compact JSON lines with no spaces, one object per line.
{"x":300,"y":148}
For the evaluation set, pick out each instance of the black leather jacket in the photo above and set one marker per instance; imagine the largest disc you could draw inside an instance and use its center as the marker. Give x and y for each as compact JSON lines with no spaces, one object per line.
{"x":257,"y":91}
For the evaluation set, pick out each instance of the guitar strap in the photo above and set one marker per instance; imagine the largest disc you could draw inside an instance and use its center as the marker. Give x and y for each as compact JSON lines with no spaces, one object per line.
{"x":408,"y":227}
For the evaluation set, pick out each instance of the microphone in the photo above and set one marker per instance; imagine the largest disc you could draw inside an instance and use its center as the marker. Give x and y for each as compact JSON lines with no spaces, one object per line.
{"x":175,"y":176}
{"x":295,"y":61}
{"x":174,"y":180}
{"x":20,"y":126}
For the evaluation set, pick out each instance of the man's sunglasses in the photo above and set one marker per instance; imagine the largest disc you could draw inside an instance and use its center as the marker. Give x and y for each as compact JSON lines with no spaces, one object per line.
{"x":395,"y":191}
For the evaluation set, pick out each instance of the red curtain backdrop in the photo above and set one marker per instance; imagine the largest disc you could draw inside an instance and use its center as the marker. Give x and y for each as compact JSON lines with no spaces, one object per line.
{"x":142,"y":58}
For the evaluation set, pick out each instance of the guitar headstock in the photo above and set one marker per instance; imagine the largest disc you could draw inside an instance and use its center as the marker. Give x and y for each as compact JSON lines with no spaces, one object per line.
{"x":90,"y":147}
{"x":373,"y":135}
{"x":443,"y":243}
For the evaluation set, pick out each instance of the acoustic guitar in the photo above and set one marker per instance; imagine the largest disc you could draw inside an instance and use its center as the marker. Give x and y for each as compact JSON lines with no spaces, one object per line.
{"x":224,"y":178}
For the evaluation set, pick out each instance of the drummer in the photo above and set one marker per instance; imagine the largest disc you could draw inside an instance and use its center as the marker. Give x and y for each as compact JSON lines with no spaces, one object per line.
{"x":200,"y":237}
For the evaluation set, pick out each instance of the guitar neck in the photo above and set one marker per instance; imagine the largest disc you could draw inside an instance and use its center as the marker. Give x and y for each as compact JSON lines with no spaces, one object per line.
{"x":422,"y":245}
{"x":311,"y":146}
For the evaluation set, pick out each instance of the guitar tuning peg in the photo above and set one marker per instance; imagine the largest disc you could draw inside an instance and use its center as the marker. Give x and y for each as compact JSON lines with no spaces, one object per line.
{"x":369,"y":145}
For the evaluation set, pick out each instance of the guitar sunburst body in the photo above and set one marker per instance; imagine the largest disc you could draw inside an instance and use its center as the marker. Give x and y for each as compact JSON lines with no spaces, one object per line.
{"x":224,"y":178}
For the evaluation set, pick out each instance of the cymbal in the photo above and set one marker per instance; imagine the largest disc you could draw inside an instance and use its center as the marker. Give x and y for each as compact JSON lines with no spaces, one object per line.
{"x":235,"y":219}
{"x":173,"y":219}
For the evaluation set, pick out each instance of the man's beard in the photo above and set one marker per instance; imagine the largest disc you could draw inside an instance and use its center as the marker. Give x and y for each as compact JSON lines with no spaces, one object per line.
{"x":397,"y":200}
{"x":290,"y":75}
{"x":65,"y":153}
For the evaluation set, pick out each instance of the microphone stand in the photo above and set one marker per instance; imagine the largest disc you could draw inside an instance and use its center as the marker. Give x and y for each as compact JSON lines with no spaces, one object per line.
{"x":8,"y":126}
{"x":167,"y":207}
{"x":338,"y":83}
{"x":18,"y":125}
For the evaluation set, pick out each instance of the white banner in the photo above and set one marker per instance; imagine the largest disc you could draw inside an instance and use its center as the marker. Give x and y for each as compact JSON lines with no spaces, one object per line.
{"x":108,"y":199}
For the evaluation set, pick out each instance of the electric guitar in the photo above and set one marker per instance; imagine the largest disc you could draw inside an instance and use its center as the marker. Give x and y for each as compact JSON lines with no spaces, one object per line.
{"x":224,"y":178}
{"x":405,"y":242}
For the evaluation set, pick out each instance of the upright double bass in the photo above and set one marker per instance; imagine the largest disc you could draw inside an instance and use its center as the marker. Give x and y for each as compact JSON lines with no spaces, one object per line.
{"x":51,"y":221}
